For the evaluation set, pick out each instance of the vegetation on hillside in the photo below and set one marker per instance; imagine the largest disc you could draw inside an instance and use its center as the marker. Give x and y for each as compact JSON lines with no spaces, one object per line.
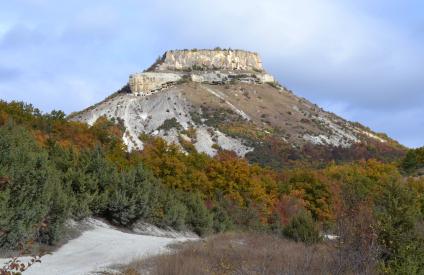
{"x":52,"y":170}
{"x":273,"y":146}
{"x":414,"y":161}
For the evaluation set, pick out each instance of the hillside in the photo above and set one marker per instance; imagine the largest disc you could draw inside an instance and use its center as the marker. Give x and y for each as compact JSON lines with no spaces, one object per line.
{"x":224,"y":100}
{"x":54,"y":170}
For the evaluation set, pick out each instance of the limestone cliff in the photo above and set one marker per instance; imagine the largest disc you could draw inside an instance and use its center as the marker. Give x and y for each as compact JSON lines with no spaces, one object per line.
{"x":232,"y":60}
{"x":203,"y":66}
{"x":151,"y":81}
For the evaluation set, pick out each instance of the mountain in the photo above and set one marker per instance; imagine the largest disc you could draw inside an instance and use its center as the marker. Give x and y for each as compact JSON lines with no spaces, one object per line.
{"x":224,"y":99}
{"x":56,"y":175}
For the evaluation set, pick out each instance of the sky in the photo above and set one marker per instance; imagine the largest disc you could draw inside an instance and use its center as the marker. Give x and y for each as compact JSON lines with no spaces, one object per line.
{"x":361,"y":59}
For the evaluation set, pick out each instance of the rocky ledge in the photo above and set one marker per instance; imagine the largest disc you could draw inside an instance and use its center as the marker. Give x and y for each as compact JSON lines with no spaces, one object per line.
{"x":204,"y":66}
{"x":187,"y":60}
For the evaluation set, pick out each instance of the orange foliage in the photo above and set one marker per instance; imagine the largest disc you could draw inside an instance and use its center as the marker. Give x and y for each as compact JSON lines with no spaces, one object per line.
{"x":288,"y":207}
{"x":236,"y":178}
{"x":3,"y":117}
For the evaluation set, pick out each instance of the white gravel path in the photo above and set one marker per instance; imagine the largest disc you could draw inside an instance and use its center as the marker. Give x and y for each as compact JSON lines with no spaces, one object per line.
{"x":98,"y":248}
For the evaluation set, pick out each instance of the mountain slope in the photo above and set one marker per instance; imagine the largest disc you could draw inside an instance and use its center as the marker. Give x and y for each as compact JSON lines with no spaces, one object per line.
{"x":223,"y":99}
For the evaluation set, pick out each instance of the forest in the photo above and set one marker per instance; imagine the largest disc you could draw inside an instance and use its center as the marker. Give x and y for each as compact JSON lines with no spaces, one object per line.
{"x":53,"y":170}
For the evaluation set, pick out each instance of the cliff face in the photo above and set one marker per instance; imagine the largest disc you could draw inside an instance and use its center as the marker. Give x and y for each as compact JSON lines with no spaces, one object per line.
{"x":232,"y":60}
{"x":203,"y":66}
{"x":151,"y":81}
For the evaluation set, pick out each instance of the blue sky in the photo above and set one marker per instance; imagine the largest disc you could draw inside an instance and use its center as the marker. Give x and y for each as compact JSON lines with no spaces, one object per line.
{"x":361,"y":59}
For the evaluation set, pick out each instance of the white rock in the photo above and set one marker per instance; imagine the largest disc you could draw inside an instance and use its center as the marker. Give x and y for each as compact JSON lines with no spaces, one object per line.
{"x":211,"y":60}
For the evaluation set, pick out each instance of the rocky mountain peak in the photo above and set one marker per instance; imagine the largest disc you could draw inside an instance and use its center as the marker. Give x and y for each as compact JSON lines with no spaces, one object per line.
{"x":217,"y":59}
{"x":218,"y":66}
{"x":212,"y":100}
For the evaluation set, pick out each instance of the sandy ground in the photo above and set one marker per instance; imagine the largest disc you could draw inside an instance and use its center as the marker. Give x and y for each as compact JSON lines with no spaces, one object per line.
{"x":97,"y":249}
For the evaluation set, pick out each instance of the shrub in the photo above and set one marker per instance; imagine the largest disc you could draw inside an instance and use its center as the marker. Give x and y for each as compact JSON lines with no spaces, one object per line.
{"x":175,"y":213}
{"x":29,"y":201}
{"x":302,"y":228}
{"x":168,"y":124}
{"x":221,"y":220}
{"x":198,"y":217}
{"x":397,"y":215}
{"x":413,"y":160}
{"x":129,"y":198}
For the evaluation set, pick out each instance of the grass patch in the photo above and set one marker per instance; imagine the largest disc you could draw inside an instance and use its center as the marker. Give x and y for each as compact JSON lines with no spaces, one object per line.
{"x":240,"y":253}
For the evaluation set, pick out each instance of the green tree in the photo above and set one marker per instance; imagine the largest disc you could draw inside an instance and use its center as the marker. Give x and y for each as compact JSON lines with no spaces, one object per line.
{"x":302,"y":229}
{"x":198,"y":217}
{"x":29,"y":200}
{"x":130,"y":198}
{"x":413,"y":160}
{"x":397,"y":215}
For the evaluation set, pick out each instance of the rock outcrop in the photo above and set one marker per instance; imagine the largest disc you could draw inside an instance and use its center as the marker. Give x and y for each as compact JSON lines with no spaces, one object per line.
{"x":151,"y":81}
{"x":231,"y":60}
{"x":203,"y":66}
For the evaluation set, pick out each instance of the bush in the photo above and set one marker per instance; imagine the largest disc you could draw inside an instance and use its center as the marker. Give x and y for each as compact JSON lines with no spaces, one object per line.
{"x":86,"y":177}
{"x":130,"y":198}
{"x":221,"y":220}
{"x":31,"y":200}
{"x":168,"y":124}
{"x":302,"y":229}
{"x":175,"y":213}
{"x":413,"y":160}
{"x":397,"y":215}
{"x":198,"y":217}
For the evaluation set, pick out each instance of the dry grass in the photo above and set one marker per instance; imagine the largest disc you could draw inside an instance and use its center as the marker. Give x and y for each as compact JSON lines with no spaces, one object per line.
{"x":245,"y":253}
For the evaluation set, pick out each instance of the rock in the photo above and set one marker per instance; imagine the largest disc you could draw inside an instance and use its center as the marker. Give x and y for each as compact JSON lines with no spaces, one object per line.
{"x":180,"y":60}
{"x":203,"y":66}
{"x":150,"y":81}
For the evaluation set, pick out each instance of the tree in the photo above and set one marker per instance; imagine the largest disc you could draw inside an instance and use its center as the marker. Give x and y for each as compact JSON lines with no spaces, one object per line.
{"x":130,"y":197}
{"x":198,"y":217}
{"x":29,"y":203}
{"x":397,"y":214}
{"x":413,"y":160}
{"x":302,"y":228}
